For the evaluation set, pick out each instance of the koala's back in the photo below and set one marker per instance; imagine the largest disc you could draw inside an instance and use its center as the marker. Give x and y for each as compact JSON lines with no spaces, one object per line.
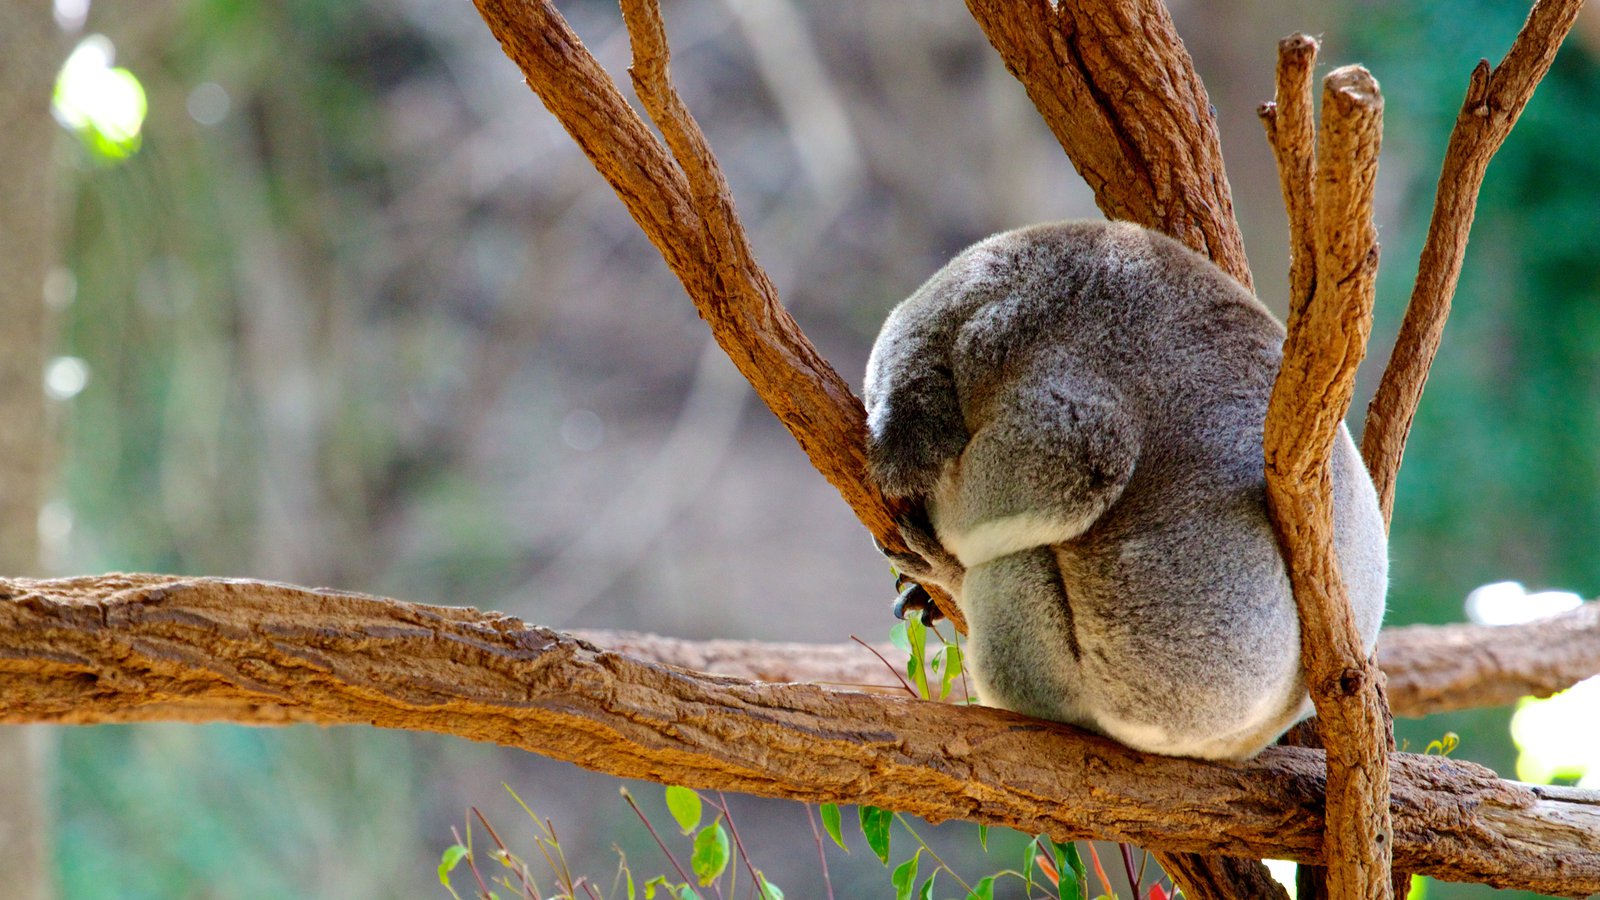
{"x":1160,"y":613}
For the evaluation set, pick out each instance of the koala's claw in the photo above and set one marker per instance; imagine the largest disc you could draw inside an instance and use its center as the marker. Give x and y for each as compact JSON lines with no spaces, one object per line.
{"x":914,"y":599}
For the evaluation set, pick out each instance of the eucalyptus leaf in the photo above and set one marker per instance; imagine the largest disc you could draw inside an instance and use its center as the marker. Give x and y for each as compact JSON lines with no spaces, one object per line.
{"x":711,"y":853}
{"x":452,"y":854}
{"x":830,"y":824}
{"x":904,"y":877}
{"x":875,"y":826}
{"x":684,"y":805}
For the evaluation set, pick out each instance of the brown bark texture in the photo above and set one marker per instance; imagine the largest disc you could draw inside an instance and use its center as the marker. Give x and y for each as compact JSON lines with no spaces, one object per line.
{"x":1326,"y":342}
{"x":1291,"y":132}
{"x":1439,"y":668}
{"x":121,"y":648}
{"x":1495,"y":98}
{"x":1117,"y":88}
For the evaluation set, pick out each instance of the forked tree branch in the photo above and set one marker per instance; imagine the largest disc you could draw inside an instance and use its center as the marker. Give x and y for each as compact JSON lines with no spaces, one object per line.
{"x":151,"y":647}
{"x":681,"y":201}
{"x":1117,"y":88}
{"x":1326,"y":342}
{"x":1495,"y":98}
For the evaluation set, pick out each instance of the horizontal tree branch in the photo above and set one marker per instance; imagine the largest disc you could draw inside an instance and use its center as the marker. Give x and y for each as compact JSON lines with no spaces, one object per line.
{"x":120,"y":648}
{"x":1441,"y":668}
{"x":1430,"y":668}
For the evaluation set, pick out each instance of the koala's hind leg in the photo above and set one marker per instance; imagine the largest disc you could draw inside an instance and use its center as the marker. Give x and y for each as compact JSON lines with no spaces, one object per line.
{"x":1022,"y":648}
{"x":1056,"y":455}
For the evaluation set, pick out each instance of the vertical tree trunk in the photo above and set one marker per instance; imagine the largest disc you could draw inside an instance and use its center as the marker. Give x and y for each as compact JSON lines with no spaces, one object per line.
{"x":30,"y":52}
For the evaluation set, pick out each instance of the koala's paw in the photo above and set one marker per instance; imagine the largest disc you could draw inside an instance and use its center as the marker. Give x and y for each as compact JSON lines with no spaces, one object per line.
{"x":914,"y":599}
{"x":927,"y":562}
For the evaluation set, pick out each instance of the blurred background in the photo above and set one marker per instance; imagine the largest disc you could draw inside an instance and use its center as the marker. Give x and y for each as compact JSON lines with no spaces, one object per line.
{"x":334,"y":301}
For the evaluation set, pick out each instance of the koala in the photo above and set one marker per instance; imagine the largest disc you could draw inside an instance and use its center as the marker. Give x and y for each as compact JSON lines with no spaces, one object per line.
{"x":1074,"y":413}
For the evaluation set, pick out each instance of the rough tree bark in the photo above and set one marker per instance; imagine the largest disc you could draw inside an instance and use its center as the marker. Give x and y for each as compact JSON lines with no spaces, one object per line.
{"x":1431,"y":668}
{"x":1327,"y":340}
{"x":1117,"y":88}
{"x":130,"y":648}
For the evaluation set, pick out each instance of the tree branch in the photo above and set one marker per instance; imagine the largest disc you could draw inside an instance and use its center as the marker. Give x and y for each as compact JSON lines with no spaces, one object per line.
{"x":1117,"y":88}
{"x":1430,"y":668}
{"x":682,"y":203}
{"x":1495,"y":99}
{"x":1440,"y":668}
{"x":122,"y":648}
{"x":1292,"y":134}
{"x":1326,"y":341}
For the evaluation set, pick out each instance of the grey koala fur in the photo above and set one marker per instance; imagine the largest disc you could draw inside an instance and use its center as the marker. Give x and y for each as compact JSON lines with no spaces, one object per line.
{"x":1078,"y":409}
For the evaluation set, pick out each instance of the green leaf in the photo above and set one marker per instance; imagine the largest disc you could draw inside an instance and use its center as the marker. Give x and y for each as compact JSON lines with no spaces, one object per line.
{"x":1073,"y":859}
{"x":983,"y":837}
{"x":660,"y":881}
{"x":927,"y":887}
{"x":984,"y":890}
{"x":769,"y":891}
{"x":951,"y":669}
{"x":905,"y":876}
{"x":917,"y":633}
{"x":452,"y":854}
{"x":711,"y":853}
{"x":1030,"y":853}
{"x":684,"y":805}
{"x":1069,"y":869}
{"x":686,"y":893}
{"x":897,"y":637}
{"x":875,"y":826}
{"x":830,"y":823}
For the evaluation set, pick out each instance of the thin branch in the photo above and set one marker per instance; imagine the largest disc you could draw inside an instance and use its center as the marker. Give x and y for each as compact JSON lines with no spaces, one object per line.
{"x":1117,"y":88}
{"x":682,"y":203}
{"x":1495,"y":98}
{"x":1291,"y":131}
{"x":141,"y":648}
{"x":1326,"y":341}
